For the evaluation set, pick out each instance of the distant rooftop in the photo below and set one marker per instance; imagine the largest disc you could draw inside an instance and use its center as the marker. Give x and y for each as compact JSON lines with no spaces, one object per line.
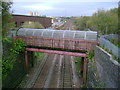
{"x":28,"y":15}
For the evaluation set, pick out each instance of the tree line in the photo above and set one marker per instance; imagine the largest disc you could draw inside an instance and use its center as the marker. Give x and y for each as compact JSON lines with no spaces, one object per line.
{"x":105,"y":22}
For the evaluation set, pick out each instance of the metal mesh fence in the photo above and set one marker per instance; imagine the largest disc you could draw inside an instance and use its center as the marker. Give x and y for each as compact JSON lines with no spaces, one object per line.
{"x":68,"y":34}
{"x":104,"y":41}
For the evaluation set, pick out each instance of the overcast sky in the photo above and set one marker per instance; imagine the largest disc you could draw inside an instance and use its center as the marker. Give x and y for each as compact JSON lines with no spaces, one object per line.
{"x":62,"y":7}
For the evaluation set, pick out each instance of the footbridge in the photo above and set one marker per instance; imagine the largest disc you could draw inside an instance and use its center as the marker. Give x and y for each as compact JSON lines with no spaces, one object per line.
{"x":62,"y":39}
{"x":58,"y":42}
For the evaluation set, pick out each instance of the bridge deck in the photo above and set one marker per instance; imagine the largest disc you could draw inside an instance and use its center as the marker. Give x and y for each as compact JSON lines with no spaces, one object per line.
{"x":83,"y":45}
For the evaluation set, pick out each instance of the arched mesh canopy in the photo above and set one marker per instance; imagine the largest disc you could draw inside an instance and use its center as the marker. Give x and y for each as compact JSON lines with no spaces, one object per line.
{"x":67,"y":34}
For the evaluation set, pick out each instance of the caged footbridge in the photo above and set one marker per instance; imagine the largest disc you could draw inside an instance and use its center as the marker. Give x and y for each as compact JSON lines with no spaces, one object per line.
{"x":61,"y":42}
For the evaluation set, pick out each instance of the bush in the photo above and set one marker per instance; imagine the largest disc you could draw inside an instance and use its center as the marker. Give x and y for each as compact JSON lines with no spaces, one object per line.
{"x":11,"y":49}
{"x":34,"y":25}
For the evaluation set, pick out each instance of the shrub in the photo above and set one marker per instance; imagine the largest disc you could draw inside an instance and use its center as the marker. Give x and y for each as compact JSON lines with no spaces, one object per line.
{"x":11,"y":49}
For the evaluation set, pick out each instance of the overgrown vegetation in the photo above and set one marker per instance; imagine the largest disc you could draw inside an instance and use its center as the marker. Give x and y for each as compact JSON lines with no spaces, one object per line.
{"x":93,"y":78}
{"x":6,"y":17}
{"x":39,"y":55}
{"x":110,"y":52}
{"x":102,"y":21}
{"x":78,"y":62}
{"x":117,"y":59}
{"x":90,"y":54}
{"x":11,"y":49}
{"x":34,"y":25}
{"x":115,"y":42}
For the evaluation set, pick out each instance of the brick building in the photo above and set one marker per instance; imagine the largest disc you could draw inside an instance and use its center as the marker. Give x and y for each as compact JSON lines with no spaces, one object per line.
{"x":20,"y":19}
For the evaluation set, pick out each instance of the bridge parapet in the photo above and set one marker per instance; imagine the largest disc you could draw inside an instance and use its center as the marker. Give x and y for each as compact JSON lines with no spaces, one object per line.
{"x":83,"y":45}
{"x":63,"y":39}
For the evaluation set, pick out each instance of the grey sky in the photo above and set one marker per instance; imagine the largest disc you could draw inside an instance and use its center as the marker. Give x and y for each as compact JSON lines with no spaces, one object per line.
{"x":62,"y":8}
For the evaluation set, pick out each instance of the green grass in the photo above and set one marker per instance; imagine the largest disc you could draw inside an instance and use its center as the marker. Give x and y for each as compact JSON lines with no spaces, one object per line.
{"x":39,"y":56}
{"x":116,"y":42}
{"x":117,"y":59}
{"x":78,"y":62}
{"x":114,"y":57}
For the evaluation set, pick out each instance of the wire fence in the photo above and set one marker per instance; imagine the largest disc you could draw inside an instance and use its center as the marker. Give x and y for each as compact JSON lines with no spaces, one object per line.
{"x":107,"y":44}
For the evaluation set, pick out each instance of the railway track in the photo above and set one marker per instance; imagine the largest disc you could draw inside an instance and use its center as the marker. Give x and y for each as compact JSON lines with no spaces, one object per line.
{"x":54,"y":77}
{"x":44,"y":72}
{"x":57,"y":72}
{"x":67,"y":73}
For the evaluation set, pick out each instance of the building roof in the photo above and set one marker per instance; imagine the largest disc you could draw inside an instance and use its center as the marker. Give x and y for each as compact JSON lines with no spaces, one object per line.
{"x":29,"y":16}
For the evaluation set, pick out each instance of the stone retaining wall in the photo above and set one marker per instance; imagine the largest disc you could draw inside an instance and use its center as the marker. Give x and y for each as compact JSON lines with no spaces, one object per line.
{"x":108,"y":68}
{"x":93,"y":79}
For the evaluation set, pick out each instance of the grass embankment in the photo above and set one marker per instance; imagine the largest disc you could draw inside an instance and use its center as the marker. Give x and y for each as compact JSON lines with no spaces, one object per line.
{"x":116,"y":42}
{"x":78,"y":63}
{"x":114,"y":57}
